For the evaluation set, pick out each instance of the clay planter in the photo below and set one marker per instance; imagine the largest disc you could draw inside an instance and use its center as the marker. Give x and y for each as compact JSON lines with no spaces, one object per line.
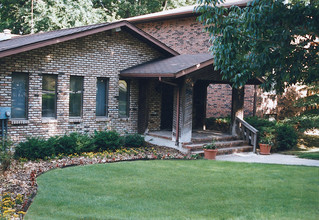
{"x":264,"y":149}
{"x":210,"y":154}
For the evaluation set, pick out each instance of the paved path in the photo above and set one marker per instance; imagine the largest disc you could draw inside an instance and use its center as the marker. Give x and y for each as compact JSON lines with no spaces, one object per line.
{"x":273,"y":159}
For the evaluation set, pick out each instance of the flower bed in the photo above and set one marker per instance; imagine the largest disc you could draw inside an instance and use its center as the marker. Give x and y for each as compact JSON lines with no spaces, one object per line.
{"x":18,"y":185}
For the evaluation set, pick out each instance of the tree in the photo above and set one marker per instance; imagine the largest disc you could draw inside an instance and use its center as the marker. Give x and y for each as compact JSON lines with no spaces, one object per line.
{"x":47,"y":15}
{"x":130,"y":8}
{"x":268,"y":38}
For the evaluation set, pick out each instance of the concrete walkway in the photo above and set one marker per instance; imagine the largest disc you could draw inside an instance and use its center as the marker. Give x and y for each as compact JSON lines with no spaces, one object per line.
{"x":271,"y":159}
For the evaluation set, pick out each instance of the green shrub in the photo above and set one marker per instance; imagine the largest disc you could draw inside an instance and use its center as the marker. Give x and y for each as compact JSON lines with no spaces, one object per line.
{"x":134,"y":140}
{"x":5,"y":155}
{"x":72,"y":143}
{"x":286,"y":137}
{"x":107,"y":140}
{"x":219,"y":124}
{"x":307,"y":120}
{"x":34,"y":148}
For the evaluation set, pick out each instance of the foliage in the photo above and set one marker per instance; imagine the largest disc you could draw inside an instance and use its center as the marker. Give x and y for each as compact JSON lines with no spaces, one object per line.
{"x":305,"y":121}
{"x":268,"y":39}
{"x":264,"y":126}
{"x":107,"y":140}
{"x":134,"y":140}
{"x":312,"y":99}
{"x":286,"y":137}
{"x":5,"y":155}
{"x":211,"y":145}
{"x":56,"y":14}
{"x":149,"y":189}
{"x":48,"y":15}
{"x":72,"y":143}
{"x":267,"y":138}
{"x":219,"y":124}
{"x":34,"y":148}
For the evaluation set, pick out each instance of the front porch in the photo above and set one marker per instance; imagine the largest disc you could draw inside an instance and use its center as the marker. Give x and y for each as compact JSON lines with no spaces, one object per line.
{"x":172,"y":105}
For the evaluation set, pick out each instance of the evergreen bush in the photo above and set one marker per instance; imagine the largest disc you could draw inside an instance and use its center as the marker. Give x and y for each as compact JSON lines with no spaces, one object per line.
{"x":134,"y":140}
{"x":286,"y":137}
{"x":107,"y":140}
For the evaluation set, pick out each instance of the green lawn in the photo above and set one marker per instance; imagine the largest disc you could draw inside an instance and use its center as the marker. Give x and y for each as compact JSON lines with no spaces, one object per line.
{"x":178,"y":189}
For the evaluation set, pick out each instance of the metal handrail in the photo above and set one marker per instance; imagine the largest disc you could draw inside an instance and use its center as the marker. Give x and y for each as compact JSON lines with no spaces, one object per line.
{"x":248,"y":132}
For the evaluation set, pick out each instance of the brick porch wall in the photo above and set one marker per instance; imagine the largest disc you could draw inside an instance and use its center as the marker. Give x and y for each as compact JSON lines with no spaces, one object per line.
{"x":99,"y":55}
{"x":186,"y":36}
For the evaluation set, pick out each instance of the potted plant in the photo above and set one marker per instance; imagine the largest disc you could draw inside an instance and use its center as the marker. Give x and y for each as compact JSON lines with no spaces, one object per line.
{"x":265,"y":143}
{"x":210,"y":151}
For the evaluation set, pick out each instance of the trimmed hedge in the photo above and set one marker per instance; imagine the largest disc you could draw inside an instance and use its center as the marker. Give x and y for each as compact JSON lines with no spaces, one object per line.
{"x":38,"y":148}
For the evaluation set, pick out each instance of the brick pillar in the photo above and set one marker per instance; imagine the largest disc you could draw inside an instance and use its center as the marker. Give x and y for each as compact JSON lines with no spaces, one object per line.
{"x":237,"y":109}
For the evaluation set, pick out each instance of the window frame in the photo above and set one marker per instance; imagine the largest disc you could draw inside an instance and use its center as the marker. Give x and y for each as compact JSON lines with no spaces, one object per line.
{"x":26,"y":98}
{"x":127,"y":115}
{"x":106,"y":97}
{"x":55,"y":93}
{"x":82,"y":95}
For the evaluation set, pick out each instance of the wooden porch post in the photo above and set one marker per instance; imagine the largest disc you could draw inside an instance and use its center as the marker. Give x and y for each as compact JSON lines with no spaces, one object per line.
{"x":237,"y":107}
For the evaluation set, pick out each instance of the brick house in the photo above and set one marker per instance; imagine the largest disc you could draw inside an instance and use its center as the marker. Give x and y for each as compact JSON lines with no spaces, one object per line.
{"x":68,"y":80}
{"x":111,"y":76}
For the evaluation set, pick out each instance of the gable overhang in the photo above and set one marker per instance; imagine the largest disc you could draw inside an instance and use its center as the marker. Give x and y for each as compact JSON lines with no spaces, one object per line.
{"x":125,"y":25}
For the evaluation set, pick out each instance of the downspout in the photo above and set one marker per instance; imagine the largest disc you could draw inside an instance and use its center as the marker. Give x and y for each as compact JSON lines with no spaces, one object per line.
{"x":177,"y":108}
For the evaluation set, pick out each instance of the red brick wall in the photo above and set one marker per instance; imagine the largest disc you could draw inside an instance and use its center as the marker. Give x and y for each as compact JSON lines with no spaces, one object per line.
{"x":186,"y":36}
{"x":99,"y":55}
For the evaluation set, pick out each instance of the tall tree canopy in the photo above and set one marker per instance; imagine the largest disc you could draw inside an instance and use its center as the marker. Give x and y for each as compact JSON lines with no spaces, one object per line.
{"x":268,"y":38}
{"x":56,"y":14}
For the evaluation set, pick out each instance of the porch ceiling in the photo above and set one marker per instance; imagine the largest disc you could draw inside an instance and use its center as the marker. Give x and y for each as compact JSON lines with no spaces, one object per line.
{"x":173,"y":67}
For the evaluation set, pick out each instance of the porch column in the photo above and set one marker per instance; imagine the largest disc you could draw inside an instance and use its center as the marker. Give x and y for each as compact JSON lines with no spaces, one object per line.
{"x":237,"y":105}
{"x":184,"y":124}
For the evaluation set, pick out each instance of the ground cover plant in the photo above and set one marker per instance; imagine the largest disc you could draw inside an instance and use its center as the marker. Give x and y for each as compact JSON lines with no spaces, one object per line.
{"x":178,"y":189}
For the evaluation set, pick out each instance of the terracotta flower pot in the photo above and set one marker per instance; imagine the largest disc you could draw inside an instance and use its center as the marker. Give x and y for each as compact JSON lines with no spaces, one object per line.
{"x":210,"y":154}
{"x":264,"y":149}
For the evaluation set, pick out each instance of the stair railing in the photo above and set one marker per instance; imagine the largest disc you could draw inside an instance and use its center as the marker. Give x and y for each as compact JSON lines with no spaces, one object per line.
{"x":247,"y":132}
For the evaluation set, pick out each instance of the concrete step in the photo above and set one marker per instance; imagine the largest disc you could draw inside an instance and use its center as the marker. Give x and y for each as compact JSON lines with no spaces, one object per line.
{"x":209,"y":139}
{"x":220,"y":144}
{"x":228,"y":150}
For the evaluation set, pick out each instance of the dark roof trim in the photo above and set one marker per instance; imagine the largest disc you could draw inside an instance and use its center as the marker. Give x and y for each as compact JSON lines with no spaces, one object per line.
{"x":146,"y":37}
{"x":147,"y":75}
{"x":180,"y":12}
{"x":194,"y":68}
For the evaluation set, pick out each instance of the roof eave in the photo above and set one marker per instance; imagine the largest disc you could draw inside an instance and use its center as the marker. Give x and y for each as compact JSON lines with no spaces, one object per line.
{"x":110,"y":26}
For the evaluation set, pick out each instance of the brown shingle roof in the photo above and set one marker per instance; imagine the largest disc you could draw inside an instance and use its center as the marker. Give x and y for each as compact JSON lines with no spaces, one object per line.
{"x":34,"y":41}
{"x":176,"y":66}
{"x":181,"y":12}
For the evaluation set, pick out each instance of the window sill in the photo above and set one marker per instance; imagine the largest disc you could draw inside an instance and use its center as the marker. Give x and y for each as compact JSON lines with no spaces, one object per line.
{"x":19,"y":121}
{"x":75,"y":120}
{"x":102,"y":119}
{"x":49,"y":120}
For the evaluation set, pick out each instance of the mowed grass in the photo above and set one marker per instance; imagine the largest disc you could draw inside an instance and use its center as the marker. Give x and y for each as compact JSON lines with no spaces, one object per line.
{"x":178,"y":189}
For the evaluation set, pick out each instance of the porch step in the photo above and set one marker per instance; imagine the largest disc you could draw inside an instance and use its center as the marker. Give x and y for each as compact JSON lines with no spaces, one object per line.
{"x":220,"y":144}
{"x":209,"y":139}
{"x":228,"y":150}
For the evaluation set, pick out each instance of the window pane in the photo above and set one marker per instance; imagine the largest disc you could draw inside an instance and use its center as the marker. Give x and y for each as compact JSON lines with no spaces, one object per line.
{"x":101,"y":97}
{"x":19,"y":94}
{"x":76,"y":95}
{"x":49,"y":95}
{"x":123,"y":98}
